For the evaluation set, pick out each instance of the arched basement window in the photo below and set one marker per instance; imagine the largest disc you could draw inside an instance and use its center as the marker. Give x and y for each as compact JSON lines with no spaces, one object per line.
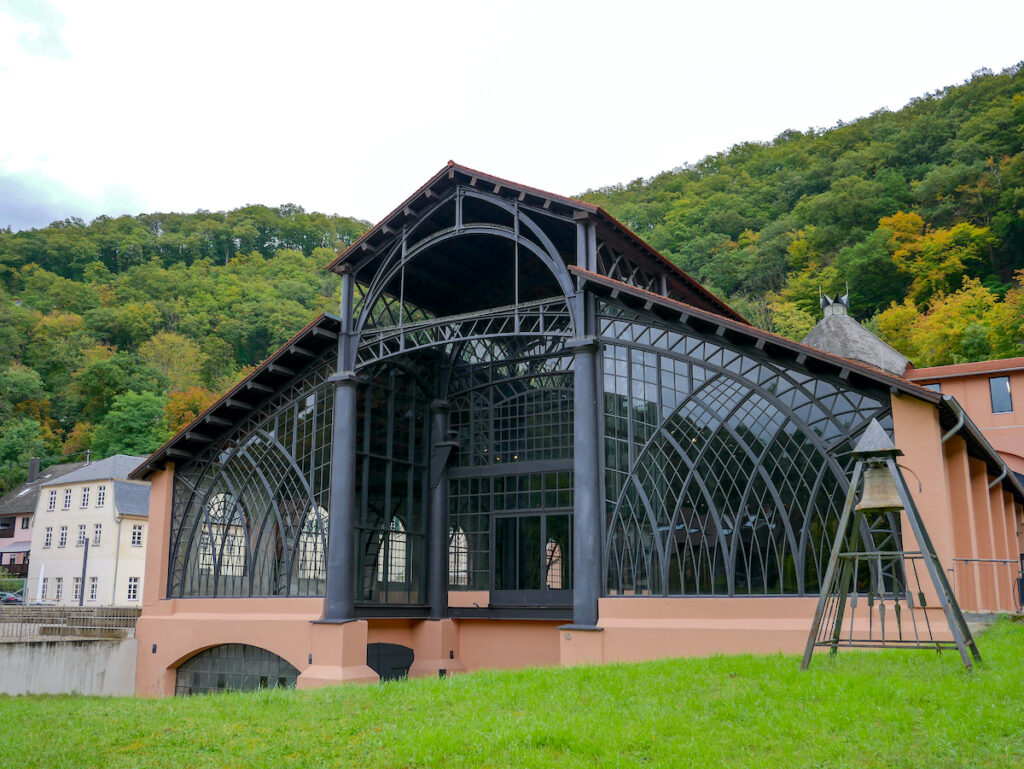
{"x":237,"y":667}
{"x":222,"y":539}
{"x":458,"y":557}
{"x":313,"y":545}
{"x":391,"y":554}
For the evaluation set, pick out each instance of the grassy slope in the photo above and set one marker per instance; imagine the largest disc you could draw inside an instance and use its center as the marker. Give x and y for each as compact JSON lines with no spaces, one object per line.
{"x":906,"y":709}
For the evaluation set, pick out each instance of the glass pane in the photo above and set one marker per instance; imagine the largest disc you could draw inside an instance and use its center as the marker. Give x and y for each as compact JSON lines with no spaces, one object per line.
{"x":558,"y":553}
{"x":999,"y":387}
{"x":505,"y":554}
{"x":529,"y":553}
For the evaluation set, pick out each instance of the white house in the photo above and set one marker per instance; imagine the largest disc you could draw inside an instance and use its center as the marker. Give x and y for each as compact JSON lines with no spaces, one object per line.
{"x":93,"y":520}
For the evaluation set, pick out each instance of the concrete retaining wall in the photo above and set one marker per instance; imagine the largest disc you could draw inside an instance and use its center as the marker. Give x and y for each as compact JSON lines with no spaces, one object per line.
{"x":105,"y":667}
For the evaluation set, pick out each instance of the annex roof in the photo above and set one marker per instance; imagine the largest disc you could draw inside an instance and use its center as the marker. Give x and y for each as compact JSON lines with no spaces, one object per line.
{"x":988,"y":367}
{"x":117,"y":466}
{"x":608,"y":228}
{"x":23,"y":498}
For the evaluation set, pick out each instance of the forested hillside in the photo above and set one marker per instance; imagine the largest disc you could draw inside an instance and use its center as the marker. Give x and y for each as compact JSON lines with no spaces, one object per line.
{"x":920,"y":210}
{"x":115,"y":333}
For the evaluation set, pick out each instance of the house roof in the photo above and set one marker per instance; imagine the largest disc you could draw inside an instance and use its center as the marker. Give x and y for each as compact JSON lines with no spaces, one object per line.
{"x":21,"y":546}
{"x":117,"y":466}
{"x":23,"y":498}
{"x":131,"y":498}
{"x":608,"y":228}
{"x":931,"y":373}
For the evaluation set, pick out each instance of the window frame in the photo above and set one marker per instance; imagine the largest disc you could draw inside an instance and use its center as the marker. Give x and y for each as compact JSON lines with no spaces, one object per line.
{"x":48,"y":537}
{"x":67,"y":499}
{"x":85,"y":497}
{"x":52,"y":503}
{"x":97,"y":534}
{"x":94,"y":588}
{"x":62,"y":539}
{"x":133,"y":588}
{"x":137,"y":534}
{"x":101,"y":496}
{"x":992,"y":380}
{"x":80,"y":540}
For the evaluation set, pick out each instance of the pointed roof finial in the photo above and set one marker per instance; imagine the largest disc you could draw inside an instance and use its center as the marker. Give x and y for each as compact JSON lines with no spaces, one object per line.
{"x":875,"y":442}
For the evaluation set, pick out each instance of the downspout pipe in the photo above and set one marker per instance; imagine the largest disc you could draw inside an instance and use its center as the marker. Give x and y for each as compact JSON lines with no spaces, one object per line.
{"x":956,"y":408}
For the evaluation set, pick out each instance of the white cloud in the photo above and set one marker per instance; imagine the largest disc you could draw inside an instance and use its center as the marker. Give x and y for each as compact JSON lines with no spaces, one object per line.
{"x":347,"y":108}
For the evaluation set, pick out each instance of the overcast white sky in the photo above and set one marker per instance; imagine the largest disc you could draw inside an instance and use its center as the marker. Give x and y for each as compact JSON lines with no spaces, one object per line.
{"x":125,"y":107}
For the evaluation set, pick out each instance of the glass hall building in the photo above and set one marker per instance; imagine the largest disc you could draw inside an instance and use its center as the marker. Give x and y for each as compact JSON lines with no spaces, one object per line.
{"x":526,"y":438}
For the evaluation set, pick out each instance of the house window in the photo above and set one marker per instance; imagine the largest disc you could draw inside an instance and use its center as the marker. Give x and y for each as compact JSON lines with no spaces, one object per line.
{"x":48,"y":537}
{"x":67,"y":499}
{"x":999,"y":390}
{"x":94,"y":587}
{"x":44,"y":589}
{"x":97,"y":531}
{"x":52,"y":505}
{"x":133,"y":588}
{"x":58,"y":592}
{"x":63,"y":541}
{"x":26,"y":521}
{"x":77,"y":589}
{"x":934,"y":387}
{"x":85,"y":496}
{"x":136,"y":536}
{"x":81,"y":535}
{"x":101,"y":495}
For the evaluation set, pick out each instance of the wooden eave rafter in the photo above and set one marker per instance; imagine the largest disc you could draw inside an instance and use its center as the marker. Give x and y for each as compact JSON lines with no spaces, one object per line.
{"x":248,"y":395}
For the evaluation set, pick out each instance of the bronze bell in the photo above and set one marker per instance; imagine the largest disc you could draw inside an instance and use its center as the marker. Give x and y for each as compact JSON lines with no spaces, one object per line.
{"x":880,"y":495}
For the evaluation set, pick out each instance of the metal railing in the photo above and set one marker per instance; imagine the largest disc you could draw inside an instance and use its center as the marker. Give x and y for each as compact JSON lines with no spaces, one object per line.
{"x":986,"y":584}
{"x":51,"y":623}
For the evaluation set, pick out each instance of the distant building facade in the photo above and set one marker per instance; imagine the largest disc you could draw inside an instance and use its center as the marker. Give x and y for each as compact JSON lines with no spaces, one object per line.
{"x":17,"y":513}
{"x":992,"y":393}
{"x":91,"y":517}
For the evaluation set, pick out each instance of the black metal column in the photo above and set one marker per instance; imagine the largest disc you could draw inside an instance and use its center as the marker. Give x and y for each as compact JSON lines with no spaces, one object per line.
{"x":341,"y":527}
{"x":586,"y":486}
{"x":437,"y":526}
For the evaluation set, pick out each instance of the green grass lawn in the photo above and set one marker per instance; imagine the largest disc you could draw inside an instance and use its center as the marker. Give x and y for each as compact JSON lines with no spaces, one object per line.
{"x":884,"y":709}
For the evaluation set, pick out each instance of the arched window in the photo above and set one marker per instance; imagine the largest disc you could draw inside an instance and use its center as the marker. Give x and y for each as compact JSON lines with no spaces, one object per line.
{"x":391,"y":553}
{"x":234,"y":667}
{"x":222,"y":539}
{"x":458,"y":557}
{"x":313,"y":545}
{"x":553,"y":565}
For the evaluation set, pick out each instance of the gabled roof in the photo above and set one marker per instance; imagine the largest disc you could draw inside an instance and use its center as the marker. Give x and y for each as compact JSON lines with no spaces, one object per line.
{"x":608,"y":227}
{"x":23,"y":499}
{"x":117,"y":466}
{"x":988,"y":367}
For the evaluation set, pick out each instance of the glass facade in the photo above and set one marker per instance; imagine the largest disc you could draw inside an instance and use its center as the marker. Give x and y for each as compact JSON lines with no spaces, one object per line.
{"x":725,"y":471}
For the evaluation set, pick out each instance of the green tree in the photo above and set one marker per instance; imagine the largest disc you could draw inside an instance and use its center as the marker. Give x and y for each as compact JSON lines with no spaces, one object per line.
{"x":135,"y":424}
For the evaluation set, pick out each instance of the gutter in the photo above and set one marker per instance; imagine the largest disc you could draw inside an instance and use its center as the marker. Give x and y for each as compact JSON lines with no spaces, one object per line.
{"x":974,"y":433}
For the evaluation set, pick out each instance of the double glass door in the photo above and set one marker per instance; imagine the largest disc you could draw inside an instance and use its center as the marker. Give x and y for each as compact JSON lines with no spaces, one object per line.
{"x":532,"y":559}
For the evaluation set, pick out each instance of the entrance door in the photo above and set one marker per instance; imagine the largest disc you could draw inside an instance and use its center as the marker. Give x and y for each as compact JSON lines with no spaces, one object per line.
{"x":532,"y":559}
